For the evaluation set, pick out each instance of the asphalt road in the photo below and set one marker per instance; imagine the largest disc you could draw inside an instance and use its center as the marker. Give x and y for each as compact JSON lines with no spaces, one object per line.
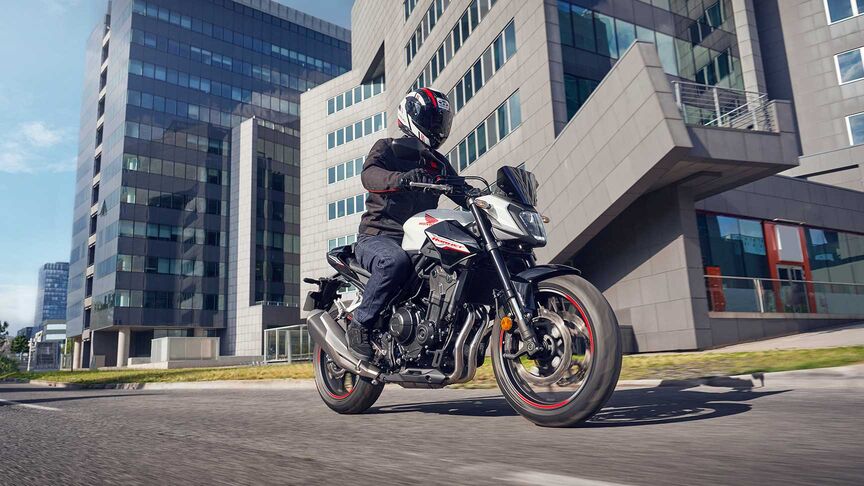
{"x":645,"y":436}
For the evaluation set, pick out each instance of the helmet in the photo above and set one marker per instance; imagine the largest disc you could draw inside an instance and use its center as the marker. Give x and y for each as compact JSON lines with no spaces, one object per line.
{"x":425,"y":114}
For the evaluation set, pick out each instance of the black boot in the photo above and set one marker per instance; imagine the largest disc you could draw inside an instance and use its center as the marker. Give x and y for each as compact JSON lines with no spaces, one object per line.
{"x":358,"y":341}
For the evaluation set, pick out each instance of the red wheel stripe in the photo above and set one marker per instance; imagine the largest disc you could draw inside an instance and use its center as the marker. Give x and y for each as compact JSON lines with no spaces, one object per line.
{"x":326,"y":388}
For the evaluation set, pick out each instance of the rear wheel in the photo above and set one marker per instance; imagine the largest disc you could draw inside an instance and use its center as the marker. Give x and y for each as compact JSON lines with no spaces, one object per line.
{"x":342,"y":391}
{"x":577,"y":372}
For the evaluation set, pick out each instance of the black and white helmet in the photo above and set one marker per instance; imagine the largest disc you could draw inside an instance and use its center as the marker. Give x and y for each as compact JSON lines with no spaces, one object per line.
{"x":425,"y":114}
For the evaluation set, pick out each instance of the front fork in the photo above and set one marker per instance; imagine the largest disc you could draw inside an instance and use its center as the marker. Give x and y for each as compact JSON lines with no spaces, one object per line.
{"x":493,"y":248}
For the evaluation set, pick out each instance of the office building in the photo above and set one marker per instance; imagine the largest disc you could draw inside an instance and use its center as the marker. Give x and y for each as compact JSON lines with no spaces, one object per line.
{"x":27,"y":332}
{"x":656,"y":129}
{"x":163,"y":156}
{"x":51,"y":293}
{"x":813,"y":53}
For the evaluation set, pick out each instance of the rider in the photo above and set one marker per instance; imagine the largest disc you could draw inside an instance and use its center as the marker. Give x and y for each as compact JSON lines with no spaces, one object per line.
{"x":424,"y":116}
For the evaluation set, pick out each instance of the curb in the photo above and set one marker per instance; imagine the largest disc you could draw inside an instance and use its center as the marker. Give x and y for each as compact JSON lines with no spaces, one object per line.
{"x":286,"y":384}
{"x":842,"y":376}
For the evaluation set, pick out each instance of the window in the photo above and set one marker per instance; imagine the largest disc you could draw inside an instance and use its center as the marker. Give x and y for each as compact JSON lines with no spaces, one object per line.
{"x":736,"y":245}
{"x":346,"y":207}
{"x":855,"y":127}
{"x":468,"y":21}
{"x":500,"y":123}
{"x":424,"y":28}
{"x":604,"y":29}
{"x":357,"y":130}
{"x":626,"y":34}
{"x":850,"y":66}
{"x":345,"y":170}
{"x":837,"y":10}
{"x":355,"y":95}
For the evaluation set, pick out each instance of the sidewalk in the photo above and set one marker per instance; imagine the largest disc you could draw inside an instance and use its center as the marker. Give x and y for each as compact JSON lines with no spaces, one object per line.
{"x":847,"y":335}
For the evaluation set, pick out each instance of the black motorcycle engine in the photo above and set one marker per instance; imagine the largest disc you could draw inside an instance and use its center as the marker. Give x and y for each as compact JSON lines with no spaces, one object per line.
{"x":403,"y":323}
{"x":427,"y":334}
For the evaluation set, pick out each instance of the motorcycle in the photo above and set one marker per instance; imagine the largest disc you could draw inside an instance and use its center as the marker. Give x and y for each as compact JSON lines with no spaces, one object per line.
{"x":555,"y":341}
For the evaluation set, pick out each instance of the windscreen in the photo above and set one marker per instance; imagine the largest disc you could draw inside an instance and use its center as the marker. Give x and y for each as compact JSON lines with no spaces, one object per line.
{"x":518,"y":185}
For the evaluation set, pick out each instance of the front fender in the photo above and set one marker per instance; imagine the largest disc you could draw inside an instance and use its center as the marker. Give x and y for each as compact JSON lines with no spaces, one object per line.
{"x":542,"y":272}
{"x":525,"y":282}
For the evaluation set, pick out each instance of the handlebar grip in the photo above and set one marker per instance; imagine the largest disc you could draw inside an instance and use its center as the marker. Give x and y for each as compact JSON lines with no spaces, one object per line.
{"x":433,"y":187}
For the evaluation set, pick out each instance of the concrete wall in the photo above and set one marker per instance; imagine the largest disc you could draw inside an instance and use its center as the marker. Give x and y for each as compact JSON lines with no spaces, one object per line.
{"x":648,"y":265}
{"x":792,"y":199}
{"x":244,"y":332}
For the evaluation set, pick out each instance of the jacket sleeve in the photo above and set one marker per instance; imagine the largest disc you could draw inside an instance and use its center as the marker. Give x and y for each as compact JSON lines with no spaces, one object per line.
{"x":449,"y":171}
{"x":376,"y":176}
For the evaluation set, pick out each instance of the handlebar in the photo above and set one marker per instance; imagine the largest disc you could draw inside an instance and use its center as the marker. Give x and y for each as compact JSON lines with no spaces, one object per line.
{"x":445,"y":188}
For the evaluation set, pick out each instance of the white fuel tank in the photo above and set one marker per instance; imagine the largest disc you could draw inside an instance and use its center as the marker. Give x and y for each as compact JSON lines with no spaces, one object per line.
{"x":416,"y":225}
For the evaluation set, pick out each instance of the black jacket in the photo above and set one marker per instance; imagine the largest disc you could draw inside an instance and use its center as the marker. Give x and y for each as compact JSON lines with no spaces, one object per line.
{"x":388,"y":206}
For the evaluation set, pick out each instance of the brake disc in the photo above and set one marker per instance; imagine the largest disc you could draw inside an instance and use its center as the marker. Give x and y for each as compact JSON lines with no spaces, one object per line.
{"x":561,"y":340}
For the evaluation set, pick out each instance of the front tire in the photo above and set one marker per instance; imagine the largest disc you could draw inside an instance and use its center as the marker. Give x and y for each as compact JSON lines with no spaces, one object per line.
{"x":343,"y":392}
{"x":542,"y":390}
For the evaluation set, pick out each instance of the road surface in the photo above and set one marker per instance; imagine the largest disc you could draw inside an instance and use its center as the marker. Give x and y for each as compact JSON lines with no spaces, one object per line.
{"x":645,"y":436}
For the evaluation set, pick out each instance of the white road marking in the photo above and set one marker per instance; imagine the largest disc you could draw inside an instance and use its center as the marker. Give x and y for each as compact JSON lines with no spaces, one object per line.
{"x":27,"y":405}
{"x":533,"y":477}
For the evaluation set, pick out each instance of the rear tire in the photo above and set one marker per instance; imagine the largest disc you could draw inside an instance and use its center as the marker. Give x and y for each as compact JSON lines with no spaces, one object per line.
{"x":602,"y":366}
{"x":351,"y":395}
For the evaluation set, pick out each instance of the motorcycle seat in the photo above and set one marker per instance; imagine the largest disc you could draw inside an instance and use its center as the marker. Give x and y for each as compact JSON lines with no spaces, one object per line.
{"x":353,"y":264}
{"x":345,"y":254}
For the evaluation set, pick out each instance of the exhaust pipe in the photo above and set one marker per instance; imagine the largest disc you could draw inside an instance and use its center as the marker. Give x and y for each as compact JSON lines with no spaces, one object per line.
{"x":328,"y":334}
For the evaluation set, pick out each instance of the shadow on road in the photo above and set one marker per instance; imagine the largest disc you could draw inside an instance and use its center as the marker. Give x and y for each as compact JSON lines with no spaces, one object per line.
{"x":643,"y":406}
{"x":666,"y":405}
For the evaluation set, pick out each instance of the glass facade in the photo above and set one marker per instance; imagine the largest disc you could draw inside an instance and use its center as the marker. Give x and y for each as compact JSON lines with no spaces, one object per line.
{"x":51,"y":292}
{"x":166,"y":85}
{"x":763,"y":266}
{"x":695,"y":40}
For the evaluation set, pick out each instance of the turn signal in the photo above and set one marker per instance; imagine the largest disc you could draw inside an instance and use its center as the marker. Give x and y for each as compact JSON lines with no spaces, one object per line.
{"x":506,"y":323}
{"x":481,"y":204}
{"x":545,"y":219}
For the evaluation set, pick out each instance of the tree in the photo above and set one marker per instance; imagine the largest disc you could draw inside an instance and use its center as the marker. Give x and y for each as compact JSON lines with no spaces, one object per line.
{"x":4,"y":328}
{"x":20,"y":345}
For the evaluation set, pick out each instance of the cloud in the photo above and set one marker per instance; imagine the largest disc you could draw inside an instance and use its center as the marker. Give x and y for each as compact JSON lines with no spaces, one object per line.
{"x":17,"y":305}
{"x":40,"y":135}
{"x":30,"y":147}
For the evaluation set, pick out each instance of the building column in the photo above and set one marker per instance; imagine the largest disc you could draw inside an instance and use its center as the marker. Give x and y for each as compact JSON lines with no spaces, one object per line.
{"x":748,"y":46}
{"x":123,"y":337}
{"x":77,"y":349}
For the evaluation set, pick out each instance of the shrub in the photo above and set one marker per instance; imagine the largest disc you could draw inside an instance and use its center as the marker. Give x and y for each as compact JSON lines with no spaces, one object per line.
{"x":7,"y":365}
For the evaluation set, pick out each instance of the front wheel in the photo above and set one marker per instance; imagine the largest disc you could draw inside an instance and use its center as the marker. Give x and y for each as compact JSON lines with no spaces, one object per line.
{"x":577,"y":372}
{"x":342,"y":391}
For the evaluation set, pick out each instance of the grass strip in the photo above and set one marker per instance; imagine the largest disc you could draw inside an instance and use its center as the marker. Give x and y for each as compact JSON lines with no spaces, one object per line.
{"x":656,"y":366}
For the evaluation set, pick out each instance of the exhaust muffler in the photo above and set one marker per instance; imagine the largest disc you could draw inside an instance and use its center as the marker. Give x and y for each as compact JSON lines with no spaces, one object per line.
{"x":328,"y":334}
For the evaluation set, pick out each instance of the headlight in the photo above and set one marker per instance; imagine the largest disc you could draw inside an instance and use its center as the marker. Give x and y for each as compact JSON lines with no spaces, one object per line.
{"x":532,"y":222}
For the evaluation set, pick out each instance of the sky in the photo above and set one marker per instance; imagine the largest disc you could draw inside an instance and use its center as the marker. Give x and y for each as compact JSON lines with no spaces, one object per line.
{"x":41,"y":73}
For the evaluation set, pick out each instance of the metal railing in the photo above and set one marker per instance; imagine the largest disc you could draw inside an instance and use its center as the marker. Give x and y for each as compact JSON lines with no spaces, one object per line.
{"x":765,"y":295}
{"x":714,"y":106}
{"x":287,"y":344}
